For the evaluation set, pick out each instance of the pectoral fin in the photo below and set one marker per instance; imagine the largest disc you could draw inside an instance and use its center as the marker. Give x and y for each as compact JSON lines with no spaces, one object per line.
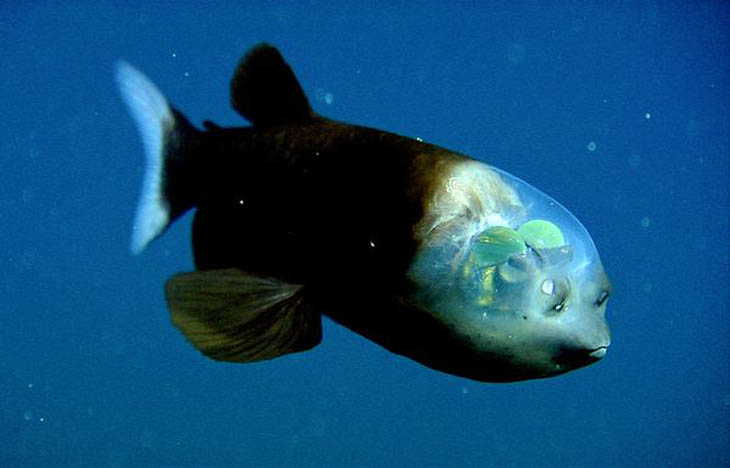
{"x":231,"y":315}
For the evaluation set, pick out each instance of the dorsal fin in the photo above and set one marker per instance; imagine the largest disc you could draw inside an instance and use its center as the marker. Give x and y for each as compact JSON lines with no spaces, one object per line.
{"x":265,"y":91}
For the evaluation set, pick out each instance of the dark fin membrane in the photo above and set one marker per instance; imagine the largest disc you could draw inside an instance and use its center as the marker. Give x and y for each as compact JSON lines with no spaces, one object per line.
{"x":265,"y":91}
{"x":231,"y":315}
{"x":166,"y":136}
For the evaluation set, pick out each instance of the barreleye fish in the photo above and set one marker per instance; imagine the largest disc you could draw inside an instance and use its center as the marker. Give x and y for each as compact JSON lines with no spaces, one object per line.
{"x":432,"y":254}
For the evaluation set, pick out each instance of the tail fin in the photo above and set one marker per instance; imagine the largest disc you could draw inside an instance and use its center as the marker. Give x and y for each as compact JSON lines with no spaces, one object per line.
{"x":165,"y":133}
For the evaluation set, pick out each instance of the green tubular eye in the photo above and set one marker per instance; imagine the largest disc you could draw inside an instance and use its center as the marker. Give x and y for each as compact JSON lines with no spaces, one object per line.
{"x":541,"y":234}
{"x":496,"y":245}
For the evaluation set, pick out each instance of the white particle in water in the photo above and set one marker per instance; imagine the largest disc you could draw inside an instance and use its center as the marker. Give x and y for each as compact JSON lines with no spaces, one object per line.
{"x":591,"y":146}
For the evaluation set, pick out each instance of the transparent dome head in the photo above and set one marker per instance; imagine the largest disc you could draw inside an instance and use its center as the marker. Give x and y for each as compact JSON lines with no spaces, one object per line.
{"x":509,"y":268}
{"x":554,"y":238}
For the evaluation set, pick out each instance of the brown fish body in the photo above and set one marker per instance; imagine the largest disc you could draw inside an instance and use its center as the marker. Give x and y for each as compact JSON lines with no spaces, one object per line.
{"x":323,"y":195}
{"x":398,"y":240}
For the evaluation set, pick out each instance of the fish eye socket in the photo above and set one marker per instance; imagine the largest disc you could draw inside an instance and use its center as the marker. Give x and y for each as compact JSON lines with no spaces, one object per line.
{"x":557,"y":293}
{"x":603,"y":297}
{"x":559,"y":306}
{"x":556,"y":307}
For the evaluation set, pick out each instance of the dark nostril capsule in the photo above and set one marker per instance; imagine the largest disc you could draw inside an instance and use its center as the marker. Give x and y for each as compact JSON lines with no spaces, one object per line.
{"x":603,"y":297}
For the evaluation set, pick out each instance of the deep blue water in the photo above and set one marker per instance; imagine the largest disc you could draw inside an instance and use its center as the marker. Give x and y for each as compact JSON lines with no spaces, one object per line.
{"x":92,"y":373}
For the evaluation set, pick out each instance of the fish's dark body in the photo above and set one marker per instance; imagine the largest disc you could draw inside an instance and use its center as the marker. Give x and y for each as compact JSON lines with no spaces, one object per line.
{"x":298,"y":216}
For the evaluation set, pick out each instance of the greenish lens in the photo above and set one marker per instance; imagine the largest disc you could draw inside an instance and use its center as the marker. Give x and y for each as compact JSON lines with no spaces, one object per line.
{"x":541,"y":234}
{"x":496,"y":245}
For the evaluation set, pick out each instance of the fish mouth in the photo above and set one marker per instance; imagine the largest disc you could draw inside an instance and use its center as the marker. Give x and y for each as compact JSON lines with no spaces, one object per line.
{"x":576,"y":358}
{"x":599,"y":352}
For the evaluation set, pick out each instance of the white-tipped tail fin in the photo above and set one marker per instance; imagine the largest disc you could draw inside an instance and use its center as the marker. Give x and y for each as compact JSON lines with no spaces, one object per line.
{"x":154,"y":119}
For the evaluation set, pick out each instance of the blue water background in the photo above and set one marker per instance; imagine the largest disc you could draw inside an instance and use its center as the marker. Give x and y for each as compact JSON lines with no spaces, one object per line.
{"x":93,"y":374}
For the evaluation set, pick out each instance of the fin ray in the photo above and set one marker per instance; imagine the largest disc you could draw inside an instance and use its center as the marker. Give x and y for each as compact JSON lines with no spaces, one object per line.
{"x":162,"y":130}
{"x":231,"y":315}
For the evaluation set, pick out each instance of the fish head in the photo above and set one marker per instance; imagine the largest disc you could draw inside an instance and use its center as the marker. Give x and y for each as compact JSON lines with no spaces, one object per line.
{"x":512,"y":275}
